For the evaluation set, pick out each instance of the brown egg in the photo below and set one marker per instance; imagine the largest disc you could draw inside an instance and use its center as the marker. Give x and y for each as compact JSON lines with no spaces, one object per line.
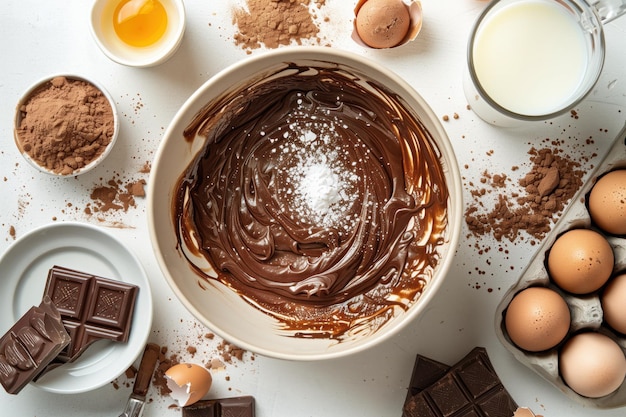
{"x":580,"y":261}
{"x":607,"y":202}
{"x":383,"y":23}
{"x":614,"y":303}
{"x":537,"y":319}
{"x":592,"y":364}
{"x":188,"y":383}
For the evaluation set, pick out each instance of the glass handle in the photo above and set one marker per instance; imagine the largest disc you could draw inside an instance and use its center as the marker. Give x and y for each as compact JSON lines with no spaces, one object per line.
{"x":608,"y":9}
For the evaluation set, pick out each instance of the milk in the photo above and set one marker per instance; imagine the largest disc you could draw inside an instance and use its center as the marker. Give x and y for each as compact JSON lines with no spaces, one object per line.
{"x":530,"y":57}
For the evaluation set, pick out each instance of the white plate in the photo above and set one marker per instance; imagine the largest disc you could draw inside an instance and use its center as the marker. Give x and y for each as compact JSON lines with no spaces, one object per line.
{"x":23,"y":272}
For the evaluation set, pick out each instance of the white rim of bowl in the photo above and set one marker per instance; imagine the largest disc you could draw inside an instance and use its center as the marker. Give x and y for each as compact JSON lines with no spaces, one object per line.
{"x":140,"y":62}
{"x":450,"y":166}
{"x":26,"y":95}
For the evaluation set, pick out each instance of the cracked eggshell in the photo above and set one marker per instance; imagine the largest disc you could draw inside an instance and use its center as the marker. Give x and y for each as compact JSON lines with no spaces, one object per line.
{"x":414,"y":8}
{"x":188,"y":383}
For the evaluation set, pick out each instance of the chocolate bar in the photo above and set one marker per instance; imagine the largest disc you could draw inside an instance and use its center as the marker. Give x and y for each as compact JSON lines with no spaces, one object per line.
{"x":471,"y":388}
{"x":92,"y":308}
{"x":223,"y":407}
{"x":426,"y":371}
{"x":30,"y":345}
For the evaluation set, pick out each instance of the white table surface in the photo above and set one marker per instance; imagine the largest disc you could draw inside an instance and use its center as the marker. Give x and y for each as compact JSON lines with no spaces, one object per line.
{"x":38,"y":38}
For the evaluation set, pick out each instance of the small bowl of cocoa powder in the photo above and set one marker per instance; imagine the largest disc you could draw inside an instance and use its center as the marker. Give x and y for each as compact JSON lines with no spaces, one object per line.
{"x":65,"y":125}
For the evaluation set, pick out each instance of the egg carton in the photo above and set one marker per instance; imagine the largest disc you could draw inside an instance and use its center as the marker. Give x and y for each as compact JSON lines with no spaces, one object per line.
{"x":586,"y":310}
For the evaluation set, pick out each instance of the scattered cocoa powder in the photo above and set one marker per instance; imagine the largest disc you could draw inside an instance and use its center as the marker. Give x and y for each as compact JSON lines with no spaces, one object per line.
{"x":131,"y":372}
{"x":546,"y":189}
{"x":145,"y":169}
{"x":165,"y":363}
{"x":275,"y":22}
{"x":227,"y":353}
{"x":215,"y":364}
{"x":136,"y":188}
{"x":65,"y":125}
{"x":159,"y":381}
{"x":205,"y":348}
{"x":129,"y":376}
{"x":230,"y":351}
{"x":549,"y":182}
{"x":115,"y":195}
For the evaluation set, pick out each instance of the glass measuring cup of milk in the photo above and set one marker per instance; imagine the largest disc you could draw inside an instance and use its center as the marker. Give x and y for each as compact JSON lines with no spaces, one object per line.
{"x":531,"y":60}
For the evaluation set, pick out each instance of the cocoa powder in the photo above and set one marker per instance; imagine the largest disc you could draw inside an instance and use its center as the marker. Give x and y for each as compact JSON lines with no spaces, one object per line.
{"x":65,"y":124}
{"x":275,"y":22}
{"x":545,"y":191}
{"x":115,"y":196}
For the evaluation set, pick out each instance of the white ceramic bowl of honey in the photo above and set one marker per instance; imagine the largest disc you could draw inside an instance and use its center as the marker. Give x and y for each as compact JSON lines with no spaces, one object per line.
{"x":138,"y":33}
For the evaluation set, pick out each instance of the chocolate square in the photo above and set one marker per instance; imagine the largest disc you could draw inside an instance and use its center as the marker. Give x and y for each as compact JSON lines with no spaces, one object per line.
{"x":69,"y":293}
{"x":471,"y":388}
{"x":30,"y":345}
{"x":223,"y":407}
{"x":417,"y":406}
{"x":203,"y":408}
{"x":426,"y":372}
{"x":447,"y":396}
{"x":92,"y":308}
{"x":112,"y":304}
{"x":477,"y":376}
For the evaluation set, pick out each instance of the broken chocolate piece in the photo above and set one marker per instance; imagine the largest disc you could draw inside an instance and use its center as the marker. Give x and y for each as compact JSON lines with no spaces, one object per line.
{"x":224,"y":407}
{"x":30,"y":345}
{"x":471,"y":388}
{"x":426,"y":371}
{"x":92,"y":308}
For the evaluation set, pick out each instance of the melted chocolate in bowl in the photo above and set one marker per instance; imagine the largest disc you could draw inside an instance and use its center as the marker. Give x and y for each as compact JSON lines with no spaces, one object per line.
{"x":318,"y":197}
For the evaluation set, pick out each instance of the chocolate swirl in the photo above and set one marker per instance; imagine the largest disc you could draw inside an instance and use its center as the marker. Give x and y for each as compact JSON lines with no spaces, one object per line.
{"x":318,"y":196}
